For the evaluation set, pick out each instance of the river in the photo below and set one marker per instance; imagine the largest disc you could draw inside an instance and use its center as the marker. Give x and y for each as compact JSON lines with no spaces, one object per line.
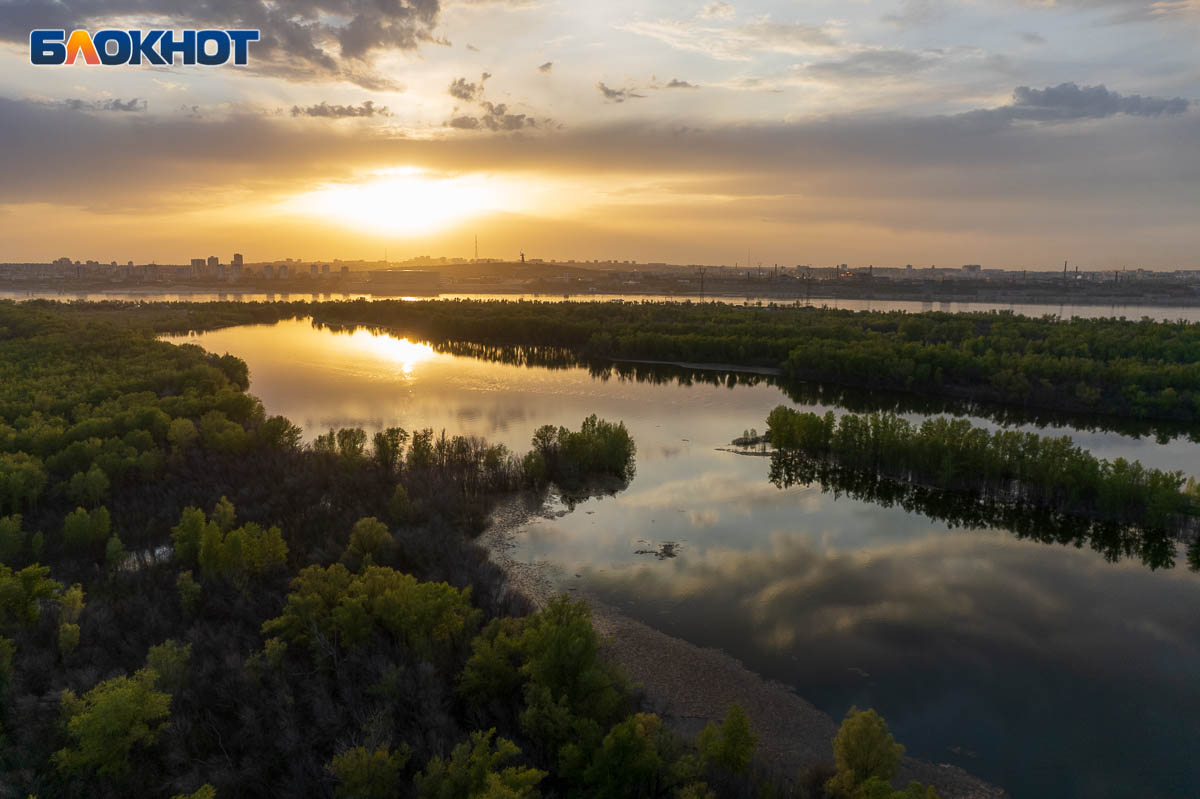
{"x":1046,"y":669}
{"x":1170,"y":313}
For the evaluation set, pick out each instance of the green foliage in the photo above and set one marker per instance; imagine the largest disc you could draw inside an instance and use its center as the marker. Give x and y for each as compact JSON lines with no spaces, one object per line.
{"x":21,"y":594}
{"x":1011,"y":465}
{"x":85,"y":530}
{"x":388,"y":448}
{"x":730,"y":745}
{"x":369,"y":539}
{"x":71,"y":604}
{"x":68,"y":638}
{"x":474,"y":771}
{"x":109,"y":721}
{"x":401,"y":509}
{"x":8,"y":649}
{"x":169,"y":661}
{"x":636,"y":759}
{"x":114,"y":552}
{"x":189,"y":592}
{"x":246,"y":550}
{"x":572,"y":694}
{"x":12,"y":538}
{"x":599,"y":448}
{"x":22,"y":481}
{"x":88,"y":489}
{"x":369,"y":774}
{"x":863,"y":749}
{"x":205,"y":791}
{"x":182,"y":435}
{"x":332,"y":604}
{"x":877,"y":788}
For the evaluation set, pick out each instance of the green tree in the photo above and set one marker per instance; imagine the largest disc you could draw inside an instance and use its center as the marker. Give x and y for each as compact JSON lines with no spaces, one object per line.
{"x":22,"y":592}
{"x":369,"y":539}
{"x":12,"y":538}
{"x":401,"y":509}
{"x":364,"y":773}
{"x":189,"y":592}
{"x":169,"y":660}
{"x":110,"y":721}
{"x":182,"y":435}
{"x":730,"y":745}
{"x":474,"y":771}
{"x":84,"y":530}
{"x":636,"y":759}
{"x":862,"y":749}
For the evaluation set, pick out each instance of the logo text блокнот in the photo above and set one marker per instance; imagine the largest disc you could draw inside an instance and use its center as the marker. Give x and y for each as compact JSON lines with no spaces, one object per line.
{"x":111,"y":47}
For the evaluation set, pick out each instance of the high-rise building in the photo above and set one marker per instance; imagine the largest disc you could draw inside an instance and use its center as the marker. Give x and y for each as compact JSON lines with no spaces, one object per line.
{"x":197,"y":263}
{"x":237,"y":259}
{"x":312,"y":271}
{"x":325,"y":270}
{"x":269,"y":272}
{"x":213,"y":262}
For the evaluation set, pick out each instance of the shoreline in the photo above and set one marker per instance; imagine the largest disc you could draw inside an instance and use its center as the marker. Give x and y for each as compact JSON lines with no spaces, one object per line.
{"x":689,"y":686}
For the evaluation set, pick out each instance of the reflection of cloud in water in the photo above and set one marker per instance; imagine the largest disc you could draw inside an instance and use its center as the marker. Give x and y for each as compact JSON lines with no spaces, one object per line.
{"x":704,"y":518}
{"x":941,"y":590}
{"x":729,"y":489}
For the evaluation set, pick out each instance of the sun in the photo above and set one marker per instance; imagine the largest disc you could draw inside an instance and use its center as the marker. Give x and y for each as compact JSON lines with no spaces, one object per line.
{"x":407,"y":201}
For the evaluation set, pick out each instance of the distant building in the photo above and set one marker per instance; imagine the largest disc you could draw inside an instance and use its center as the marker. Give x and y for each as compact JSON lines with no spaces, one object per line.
{"x":269,"y":272}
{"x":405,"y":281}
{"x":312,"y":271}
{"x":213,"y":262}
{"x":283,"y":271}
{"x":237,"y":259}
{"x":325,"y":270}
{"x":972,"y":268}
{"x":197,"y":263}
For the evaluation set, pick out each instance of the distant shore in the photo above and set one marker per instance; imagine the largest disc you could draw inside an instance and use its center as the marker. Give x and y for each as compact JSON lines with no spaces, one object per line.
{"x":764,"y":292}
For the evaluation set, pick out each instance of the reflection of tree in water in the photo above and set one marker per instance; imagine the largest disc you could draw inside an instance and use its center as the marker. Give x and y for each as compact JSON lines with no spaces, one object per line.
{"x":856,"y":400}
{"x":1155,"y":546}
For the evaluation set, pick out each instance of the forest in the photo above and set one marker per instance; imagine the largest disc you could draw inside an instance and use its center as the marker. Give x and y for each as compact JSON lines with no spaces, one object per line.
{"x":1002,"y":469}
{"x":196,"y":604}
{"x":1134,"y":369}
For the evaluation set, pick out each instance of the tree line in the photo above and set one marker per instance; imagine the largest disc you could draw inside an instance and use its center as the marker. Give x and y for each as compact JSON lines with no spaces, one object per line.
{"x":1005,"y":468}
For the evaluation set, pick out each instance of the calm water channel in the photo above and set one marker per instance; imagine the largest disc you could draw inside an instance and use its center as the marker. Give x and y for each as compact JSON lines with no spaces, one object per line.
{"x":1044,"y":668}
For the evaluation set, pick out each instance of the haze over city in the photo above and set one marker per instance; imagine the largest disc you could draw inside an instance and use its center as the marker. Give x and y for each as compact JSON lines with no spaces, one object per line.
{"x":1010,"y":134}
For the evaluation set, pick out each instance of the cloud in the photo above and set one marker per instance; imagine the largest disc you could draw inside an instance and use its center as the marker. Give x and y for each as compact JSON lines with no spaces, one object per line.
{"x":493,"y":116}
{"x":1127,"y":11}
{"x":1069,"y":101}
{"x":302,"y":40}
{"x":112,"y":104}
{"x":897,"y":182}
{"x":915,"y":13}
{"x":676,"y":83}
{"x":1029,"y":37}
{"x":738,"y":43}
{"x":465,"y":90}
{"x":617,"y":95}
{"x":549,"y":65}
{"x":717,"y":10}
{"x":872,"y":64}
{"x":323,"y":109}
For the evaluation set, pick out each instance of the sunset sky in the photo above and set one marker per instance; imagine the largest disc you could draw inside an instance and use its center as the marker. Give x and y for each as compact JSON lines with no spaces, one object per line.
{"x":1012,"y":133}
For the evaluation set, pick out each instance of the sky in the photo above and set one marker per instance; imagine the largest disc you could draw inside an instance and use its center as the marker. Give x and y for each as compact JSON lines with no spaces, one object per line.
{"x":1009,"y":133}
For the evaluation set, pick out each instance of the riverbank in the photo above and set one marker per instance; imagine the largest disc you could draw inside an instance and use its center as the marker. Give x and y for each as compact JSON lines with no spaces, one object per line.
{"x":689,"y":686}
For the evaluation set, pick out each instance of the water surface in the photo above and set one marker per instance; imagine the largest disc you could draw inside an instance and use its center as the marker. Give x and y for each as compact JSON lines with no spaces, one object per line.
{"x":1044,"y":668}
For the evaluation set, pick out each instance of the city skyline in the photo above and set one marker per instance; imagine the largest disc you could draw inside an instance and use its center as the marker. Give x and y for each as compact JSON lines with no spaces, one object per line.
{"x":1012,"y":134}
